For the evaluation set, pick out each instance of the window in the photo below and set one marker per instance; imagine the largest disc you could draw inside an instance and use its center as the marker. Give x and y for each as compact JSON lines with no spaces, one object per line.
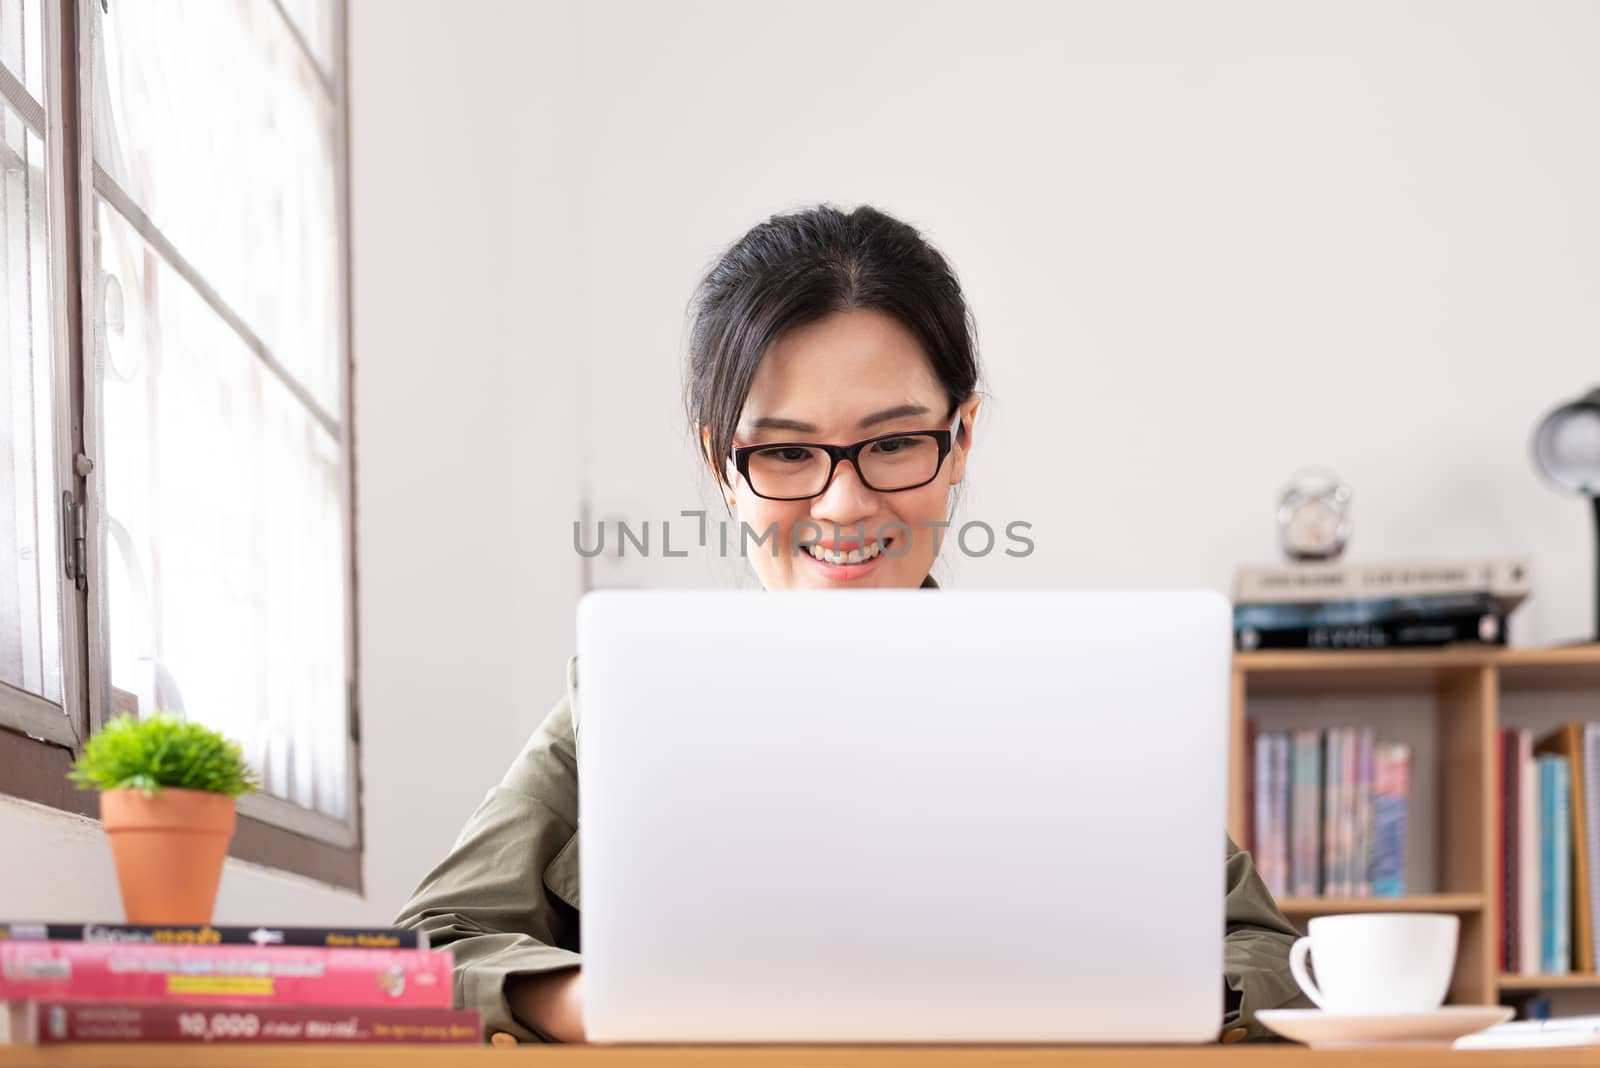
{"x":176,"y":287}
{"x":42,"y":643}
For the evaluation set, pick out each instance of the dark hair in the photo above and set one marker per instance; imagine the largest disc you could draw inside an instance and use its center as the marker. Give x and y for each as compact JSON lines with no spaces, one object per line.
{"x":801,"y":267}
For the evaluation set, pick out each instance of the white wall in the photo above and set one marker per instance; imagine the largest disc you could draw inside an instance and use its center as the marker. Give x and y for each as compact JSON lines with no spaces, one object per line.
{"x":463,"y":132}
{"x":55,"y":866}
{"x":1205,"y":243}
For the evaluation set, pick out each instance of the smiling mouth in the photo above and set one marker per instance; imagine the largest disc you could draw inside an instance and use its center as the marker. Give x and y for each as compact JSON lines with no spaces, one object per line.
{"x":845,"y":558}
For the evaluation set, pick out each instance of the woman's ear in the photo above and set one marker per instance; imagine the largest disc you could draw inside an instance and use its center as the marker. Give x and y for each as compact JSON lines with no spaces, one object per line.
{"x":969,"y":416}
{"x":964,"y":437}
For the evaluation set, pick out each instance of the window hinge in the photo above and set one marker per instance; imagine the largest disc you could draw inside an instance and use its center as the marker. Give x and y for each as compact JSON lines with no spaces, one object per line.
{"x":354,"y":712}
{"x":74,"y":537}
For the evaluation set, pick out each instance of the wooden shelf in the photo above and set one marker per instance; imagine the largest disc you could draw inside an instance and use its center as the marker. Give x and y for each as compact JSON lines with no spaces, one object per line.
{"x":1457,"y":691}
{"x":1415,"y":670}
{"x":1323,"y":906}
{"x":1579,"y":981}
{"x":1566,"y":668}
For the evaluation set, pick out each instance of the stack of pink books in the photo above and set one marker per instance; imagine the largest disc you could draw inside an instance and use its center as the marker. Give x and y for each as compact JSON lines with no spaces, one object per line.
{"x":120,"y":983}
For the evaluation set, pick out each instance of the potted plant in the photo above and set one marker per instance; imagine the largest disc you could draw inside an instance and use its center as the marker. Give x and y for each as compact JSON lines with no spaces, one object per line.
{"x":168,"y":791}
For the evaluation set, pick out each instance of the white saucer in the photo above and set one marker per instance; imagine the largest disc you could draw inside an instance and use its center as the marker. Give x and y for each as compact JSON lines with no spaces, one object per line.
{"x":1327,"y":1030}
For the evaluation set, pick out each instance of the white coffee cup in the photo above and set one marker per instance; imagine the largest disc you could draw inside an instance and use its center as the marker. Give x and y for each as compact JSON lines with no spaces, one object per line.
{"x":1377,"y":963}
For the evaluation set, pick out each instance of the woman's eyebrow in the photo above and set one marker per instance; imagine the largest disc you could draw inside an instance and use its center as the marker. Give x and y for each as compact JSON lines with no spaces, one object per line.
{"x":900,"y":411}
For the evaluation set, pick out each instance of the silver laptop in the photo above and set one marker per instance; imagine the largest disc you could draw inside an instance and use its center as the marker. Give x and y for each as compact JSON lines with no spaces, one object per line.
{"x":902,"y":815}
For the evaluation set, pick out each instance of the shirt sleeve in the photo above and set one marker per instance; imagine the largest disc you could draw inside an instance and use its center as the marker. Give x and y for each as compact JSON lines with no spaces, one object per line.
{"x":1255,"y":955}
{"x":488,"y":900}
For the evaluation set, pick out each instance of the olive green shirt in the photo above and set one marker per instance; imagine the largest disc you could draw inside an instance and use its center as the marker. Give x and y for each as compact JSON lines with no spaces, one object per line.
{"x":506,"y":896}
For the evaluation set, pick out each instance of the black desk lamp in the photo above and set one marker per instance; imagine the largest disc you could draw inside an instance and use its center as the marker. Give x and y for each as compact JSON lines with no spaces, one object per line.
{"x":1566,"y":448}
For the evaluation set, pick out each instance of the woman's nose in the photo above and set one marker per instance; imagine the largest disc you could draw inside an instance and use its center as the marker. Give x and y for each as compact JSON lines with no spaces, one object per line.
{"x":847,"y":499}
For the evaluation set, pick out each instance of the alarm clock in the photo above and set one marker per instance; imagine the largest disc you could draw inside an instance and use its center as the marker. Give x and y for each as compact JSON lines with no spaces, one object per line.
{"x":1314,"y":516}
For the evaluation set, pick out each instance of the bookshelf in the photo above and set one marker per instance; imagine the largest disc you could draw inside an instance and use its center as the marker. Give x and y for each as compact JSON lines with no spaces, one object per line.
{"x":1448,"y":704}
{"x":1321,"y":906}
{"x":1534,"y":983}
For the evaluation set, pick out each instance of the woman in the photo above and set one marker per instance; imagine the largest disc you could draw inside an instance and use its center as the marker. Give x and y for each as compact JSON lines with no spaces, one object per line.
{"x":815,"y":329}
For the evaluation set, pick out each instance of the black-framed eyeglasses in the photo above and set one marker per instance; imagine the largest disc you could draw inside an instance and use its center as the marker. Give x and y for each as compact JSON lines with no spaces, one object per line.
{"x":888,"y":463}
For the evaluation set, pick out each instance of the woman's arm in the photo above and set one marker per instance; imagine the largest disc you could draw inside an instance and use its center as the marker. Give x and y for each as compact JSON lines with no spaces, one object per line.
{"x":488,"y":899}
{"x":1255,"y":952}
{"x":552,"y":1002}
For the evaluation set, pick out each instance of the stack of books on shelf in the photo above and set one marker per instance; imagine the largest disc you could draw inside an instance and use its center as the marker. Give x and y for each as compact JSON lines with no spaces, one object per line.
{"x":1376,"y":606}
{"x":1548,"y":886}
{"x":119,"y":983}
{"x":1327,"y":812}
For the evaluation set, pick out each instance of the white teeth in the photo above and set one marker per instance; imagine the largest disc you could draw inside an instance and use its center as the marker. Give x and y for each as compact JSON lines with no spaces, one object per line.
{"x":854,"y":556}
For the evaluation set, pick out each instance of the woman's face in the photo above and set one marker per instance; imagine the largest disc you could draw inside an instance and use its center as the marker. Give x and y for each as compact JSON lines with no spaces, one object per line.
{"x":855,"y":374}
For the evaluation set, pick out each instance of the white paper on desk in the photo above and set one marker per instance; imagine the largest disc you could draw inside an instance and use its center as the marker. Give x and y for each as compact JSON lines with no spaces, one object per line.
{"x":1492,"y":1039}
{"x":1553,"y":1023}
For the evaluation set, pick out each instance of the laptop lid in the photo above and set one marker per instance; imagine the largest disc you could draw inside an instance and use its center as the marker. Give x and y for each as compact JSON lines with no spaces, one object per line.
{"x":902,"y":815}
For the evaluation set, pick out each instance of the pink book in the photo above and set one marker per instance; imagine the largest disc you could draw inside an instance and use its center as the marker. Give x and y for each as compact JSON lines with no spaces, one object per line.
{"x":1350,"y":753}
{"x":224,"y":975}
{"x":1330,"y":811}
{"x":1363,"y":850}
{"x":49,"y":1022}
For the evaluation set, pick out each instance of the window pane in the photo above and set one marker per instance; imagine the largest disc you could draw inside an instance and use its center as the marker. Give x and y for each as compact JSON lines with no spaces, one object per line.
{"x":314,"y":19}
{"x":30,"y":555}
{"x":22,"y":43}
{"x":224,"y":530}
{"x":209,"y":114}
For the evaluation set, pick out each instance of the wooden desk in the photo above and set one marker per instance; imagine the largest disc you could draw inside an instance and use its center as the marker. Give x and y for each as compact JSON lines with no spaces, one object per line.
{"x":314,"y":1056}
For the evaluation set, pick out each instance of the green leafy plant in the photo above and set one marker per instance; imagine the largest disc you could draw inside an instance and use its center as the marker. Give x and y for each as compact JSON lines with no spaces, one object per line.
{"x":162,"y":750}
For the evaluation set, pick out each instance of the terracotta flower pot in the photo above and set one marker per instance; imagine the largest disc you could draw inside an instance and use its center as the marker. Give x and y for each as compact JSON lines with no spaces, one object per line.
{"x":169,"y":851}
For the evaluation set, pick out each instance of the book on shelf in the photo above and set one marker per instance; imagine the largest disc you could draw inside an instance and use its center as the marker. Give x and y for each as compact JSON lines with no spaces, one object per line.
{"x":1361,"y":817}
{"x":1548,"y":825}
{"x":1271,"y":773}
{"x":1506,"y":846}
{"x":48,"y":1022}
{"x":1590,"y":773}
{"x":1486,"y":628}
{"x":1508,"y":581}
{"x":1333,"y":880}
{"x":1327,"y":838}
{"x":1266,"y":833}
{"x":1375,"y":606}
{"x":1282,"y":783}
{"x":1391,"y":778}
{"x":1561,"y":956}
{"x":1298,"y":614}
{"x":1348,"y":875}
{"x":1554,"y":871}
{"x":1249,"y":842}
{"x":1365,"y":810}
{"x":1530,"y":889}
{"x":1330,"y":806}
{"x":1305,"y":869}
{"x":1339,"y":884}
{"x":238,"y":975}
{"x":1567,"y":743}
{"x":131,"y":934}
{"x":1328,"y":823}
